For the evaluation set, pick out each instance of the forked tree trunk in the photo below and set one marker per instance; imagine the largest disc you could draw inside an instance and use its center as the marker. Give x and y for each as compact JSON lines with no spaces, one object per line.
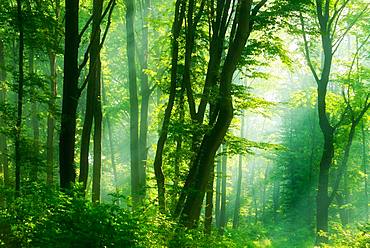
{"x":204,"y":158}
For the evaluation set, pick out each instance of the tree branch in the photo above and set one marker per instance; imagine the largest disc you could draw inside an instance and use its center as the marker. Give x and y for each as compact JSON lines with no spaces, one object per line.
{"x":341,"y":37}
{"x":307,"y":50}
{"x":111,"y":5}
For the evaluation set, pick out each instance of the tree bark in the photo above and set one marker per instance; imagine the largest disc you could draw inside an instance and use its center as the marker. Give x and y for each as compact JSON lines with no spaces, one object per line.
{"x":239,"y":182}
{"x":18,"y":125}
{"x":136,"y":190}
{"x":35,"y":122}
{"x":176,"y":28}
{"x":97,"y":111}
{"x":364,"y":168}
{"x":4,"y":164}
{"x":223,"y":217}
{"x":51,"y":120}
{"x":209,"y":205}
{"x":71,"y":95}
{"x":145,"y":96}
{"x":111,"y":141}
{"x":212,"y":139}
{"x":52,"y":109}
{"x":218,"y":192}
{"x":87,"y":125}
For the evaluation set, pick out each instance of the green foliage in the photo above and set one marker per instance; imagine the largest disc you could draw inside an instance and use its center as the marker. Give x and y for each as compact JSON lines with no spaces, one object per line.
{"x":354,"y":238}
{"x":46,"y":218}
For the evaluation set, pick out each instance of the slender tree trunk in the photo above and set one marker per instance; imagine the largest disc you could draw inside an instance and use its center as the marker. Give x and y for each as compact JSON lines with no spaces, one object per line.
{"x":52,"y":109}
{"x":3,"y":139}
{"x":264,"y":192}
{"x":209,"y":206}
{"x":71,"y":95}
{"x":364,"y":168}
{"x":223,"y":217}
{"x":310,"y":207}
{"x":111,"y":141}
{"x":218,"y":191}
{"x":51,"y":120}
{"x":97,"y":112}
{"x":18,"y":125}
{"x":35,"y":122}
{"x":145,"y":95}
{"x":239,"y":181}
{"x":97,"y":165}
{"x":238,"y":193}
{"x":87,"y":127}
{"x":136,"y":191}
{"x":275,"y":199}
{"x":204,"y":158}
{"x":179,"y":140}
{"x":327,"y":130}
{"x":347,"y":149}
{"x":176,"y":28}
{"x":253,"y":191}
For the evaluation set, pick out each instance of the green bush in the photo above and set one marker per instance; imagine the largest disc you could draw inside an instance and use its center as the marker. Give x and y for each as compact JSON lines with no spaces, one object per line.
{"x":46,"y":218}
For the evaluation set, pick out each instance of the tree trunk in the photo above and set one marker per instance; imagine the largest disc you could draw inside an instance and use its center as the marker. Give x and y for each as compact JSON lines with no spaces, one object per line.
{"x":97,"y":111}
{"x":223,"y":217}
{"x":239,"y":181}
{"x":264,"y":192}
{"x":87,"y":126}
{"x":364,"y":167}
{"x":111,"y":142}
{"x":71,"y":95}
{"x":35,"y":122}
{"x":327,"y":130}
{"x":238,"y":193}
{"x":212,"y":139}
{"x":3,"y":139}
{"x":275,"y":199}
{"x":97,"y":170}
{"x":218,"y":192}
{"x":51,"y":120}
{"x":145,"y":95}
{"x":52,"y":109}
{"x":176,"y":28}
{"x":18,"y":125}
{"x":136,"y":191}
{"x":209,"y":205}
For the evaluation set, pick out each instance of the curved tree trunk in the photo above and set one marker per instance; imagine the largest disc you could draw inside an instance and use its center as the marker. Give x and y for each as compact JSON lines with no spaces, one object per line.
{"x":176,"y":27}
{"x":213,"y":138}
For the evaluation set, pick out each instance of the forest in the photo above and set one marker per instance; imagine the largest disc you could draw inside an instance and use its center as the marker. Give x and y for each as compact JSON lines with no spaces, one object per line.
{"x":184,"y":123}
